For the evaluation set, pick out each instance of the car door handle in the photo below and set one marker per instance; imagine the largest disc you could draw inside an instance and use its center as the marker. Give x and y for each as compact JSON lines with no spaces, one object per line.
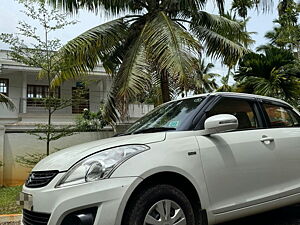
{"x":266,"y":139}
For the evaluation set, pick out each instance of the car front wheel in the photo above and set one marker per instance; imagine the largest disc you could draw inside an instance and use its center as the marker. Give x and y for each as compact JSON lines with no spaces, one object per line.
{"x":160,"y":205}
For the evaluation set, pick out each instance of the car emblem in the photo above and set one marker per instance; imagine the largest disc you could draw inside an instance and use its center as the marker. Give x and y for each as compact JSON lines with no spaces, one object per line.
{"x":30,"y":178}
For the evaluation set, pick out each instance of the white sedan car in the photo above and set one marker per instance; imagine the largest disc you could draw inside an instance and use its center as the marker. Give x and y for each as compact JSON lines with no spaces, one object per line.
{"x":203,"y":160}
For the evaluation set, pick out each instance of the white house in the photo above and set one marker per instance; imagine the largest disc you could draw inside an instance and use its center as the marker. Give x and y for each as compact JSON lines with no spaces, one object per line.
{"x":19,"y":83}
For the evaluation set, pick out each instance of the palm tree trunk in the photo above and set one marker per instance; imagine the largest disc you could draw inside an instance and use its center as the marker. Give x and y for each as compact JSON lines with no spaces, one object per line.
{"x":164,"y":85}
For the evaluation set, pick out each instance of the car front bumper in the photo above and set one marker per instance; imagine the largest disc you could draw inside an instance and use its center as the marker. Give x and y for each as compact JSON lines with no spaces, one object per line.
{"x":107,"y":195}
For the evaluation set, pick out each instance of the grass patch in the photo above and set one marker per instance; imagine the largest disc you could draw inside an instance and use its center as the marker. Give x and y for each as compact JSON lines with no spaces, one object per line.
{"x":8,"y":197}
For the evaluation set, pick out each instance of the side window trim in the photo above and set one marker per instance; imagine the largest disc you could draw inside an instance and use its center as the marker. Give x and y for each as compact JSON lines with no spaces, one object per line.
{"x":263,"y":114}
{"x":258,"y":113}
{"x":200,"y":116}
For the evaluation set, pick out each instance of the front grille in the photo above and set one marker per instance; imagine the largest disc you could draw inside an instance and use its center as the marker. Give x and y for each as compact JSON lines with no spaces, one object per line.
{"x":40,"y":179}
{"x":35,"y":218}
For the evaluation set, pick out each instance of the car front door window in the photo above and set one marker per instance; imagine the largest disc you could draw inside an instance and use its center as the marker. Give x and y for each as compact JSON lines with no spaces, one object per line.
{"x":241,"y":109}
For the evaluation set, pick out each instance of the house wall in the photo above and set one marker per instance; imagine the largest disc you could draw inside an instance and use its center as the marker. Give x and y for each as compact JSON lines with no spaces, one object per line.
{"x":15,"y":92}
{"x":97,"y":86}
{"x":18,"y":144}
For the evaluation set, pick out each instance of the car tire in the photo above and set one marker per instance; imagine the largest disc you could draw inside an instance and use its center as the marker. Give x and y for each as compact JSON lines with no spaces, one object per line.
{"x":160,"y":204}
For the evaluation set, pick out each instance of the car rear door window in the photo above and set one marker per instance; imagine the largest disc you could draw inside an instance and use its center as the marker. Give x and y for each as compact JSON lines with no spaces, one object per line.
{"x":280,"y":116}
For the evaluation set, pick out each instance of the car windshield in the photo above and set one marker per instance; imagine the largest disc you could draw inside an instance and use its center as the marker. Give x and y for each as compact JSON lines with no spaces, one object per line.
{"x":169,"y":116}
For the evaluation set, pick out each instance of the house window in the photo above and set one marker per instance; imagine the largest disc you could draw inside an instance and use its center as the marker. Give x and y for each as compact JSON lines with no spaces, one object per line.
{"x":40,"y":91}
{"x":36,"y":93}
{"x":4,"y":86}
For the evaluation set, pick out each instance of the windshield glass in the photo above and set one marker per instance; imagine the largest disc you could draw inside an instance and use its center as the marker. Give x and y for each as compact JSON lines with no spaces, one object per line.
{"x":170,"y":115}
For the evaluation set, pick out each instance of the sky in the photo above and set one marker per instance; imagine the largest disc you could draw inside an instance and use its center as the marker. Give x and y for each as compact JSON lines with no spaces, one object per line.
{"x":10,"y":15}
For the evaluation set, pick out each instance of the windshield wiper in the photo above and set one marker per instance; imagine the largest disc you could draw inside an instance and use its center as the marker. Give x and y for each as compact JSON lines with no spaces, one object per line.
{"x":153,"y":130}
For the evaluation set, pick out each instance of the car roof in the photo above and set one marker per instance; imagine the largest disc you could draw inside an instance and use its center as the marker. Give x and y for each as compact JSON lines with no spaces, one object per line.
{"x":235,"y":94}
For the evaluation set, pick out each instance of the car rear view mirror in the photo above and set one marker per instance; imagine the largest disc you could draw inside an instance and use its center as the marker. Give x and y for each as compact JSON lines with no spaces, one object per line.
{"x":220,"y":123}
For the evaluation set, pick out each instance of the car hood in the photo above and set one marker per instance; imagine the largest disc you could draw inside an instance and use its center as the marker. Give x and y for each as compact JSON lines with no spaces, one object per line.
{"x":64,"y":159}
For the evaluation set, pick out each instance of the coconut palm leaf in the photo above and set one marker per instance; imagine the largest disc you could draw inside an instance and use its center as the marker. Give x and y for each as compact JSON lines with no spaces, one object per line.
{"x":211,"y":21}
{"x":172,"y":47}
{"x":84,"y":52}
{"x":115,"y":7}
{"x":131,"y":79}
{"x":218,"y":46}
{"x":7,"y":102}
{"x":242,"y":6}
{"x":241,"y":35}
{"x":221,"y":35}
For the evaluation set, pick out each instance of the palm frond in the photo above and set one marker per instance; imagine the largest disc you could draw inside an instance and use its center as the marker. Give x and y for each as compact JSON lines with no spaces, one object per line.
{"x":218,"y":46}
{"x":241,"y":35}
{"x":171,"y":47}
{"x":7,"y":102}
{"x":83,"y":53}
{"x":113,"y":7}
{"x":131,"y":79}
{"x":211,"y":21}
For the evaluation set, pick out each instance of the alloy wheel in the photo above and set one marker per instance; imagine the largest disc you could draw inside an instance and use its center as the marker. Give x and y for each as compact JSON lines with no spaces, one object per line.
{"x":165,"y":212}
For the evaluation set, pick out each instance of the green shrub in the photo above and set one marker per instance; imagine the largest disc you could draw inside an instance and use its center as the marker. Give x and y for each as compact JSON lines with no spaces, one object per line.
{"x":90,"y":121}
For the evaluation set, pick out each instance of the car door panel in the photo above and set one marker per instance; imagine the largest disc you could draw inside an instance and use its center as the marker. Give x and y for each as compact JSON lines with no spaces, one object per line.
{"x":287,"y":142}
{"x":239,"y":169}
{"x":283,"y":123}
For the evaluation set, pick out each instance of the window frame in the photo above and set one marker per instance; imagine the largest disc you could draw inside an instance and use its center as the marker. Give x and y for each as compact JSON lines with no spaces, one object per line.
{"x":78,"y":108}
{"x":253,"y":103}
{"x":40,"y":85}
{"x":7,"y":88}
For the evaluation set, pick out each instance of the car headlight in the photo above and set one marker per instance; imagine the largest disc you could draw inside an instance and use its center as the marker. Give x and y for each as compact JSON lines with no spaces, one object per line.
{"x":99,"y":165}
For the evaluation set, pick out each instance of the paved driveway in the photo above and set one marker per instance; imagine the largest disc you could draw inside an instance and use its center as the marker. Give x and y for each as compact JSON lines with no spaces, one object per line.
{"x":285,"y":216}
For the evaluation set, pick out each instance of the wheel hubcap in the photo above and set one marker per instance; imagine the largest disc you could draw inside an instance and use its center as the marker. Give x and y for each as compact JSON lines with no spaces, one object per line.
{"x":165,"y":212}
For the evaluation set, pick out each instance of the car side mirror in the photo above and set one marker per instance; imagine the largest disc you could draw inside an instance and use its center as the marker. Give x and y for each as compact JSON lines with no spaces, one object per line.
{"x":220,"y":123}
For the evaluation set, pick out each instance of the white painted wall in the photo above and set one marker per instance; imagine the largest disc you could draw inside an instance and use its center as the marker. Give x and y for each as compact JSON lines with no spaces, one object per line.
{"x":139,"y":110}
{"x":16,"y":144}
{"x":15,"y":92}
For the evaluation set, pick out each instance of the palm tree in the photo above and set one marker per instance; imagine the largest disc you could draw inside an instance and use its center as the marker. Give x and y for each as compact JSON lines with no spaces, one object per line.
{"x":286,"y":33}
{"x":7,"y":102}
{"x":168,"y":34}
{"x":202,"y":80}
{"x":241,"y":7}
{"x":225,"y":86}
{"x":269,"y":74}
{"x":246,"y":41}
